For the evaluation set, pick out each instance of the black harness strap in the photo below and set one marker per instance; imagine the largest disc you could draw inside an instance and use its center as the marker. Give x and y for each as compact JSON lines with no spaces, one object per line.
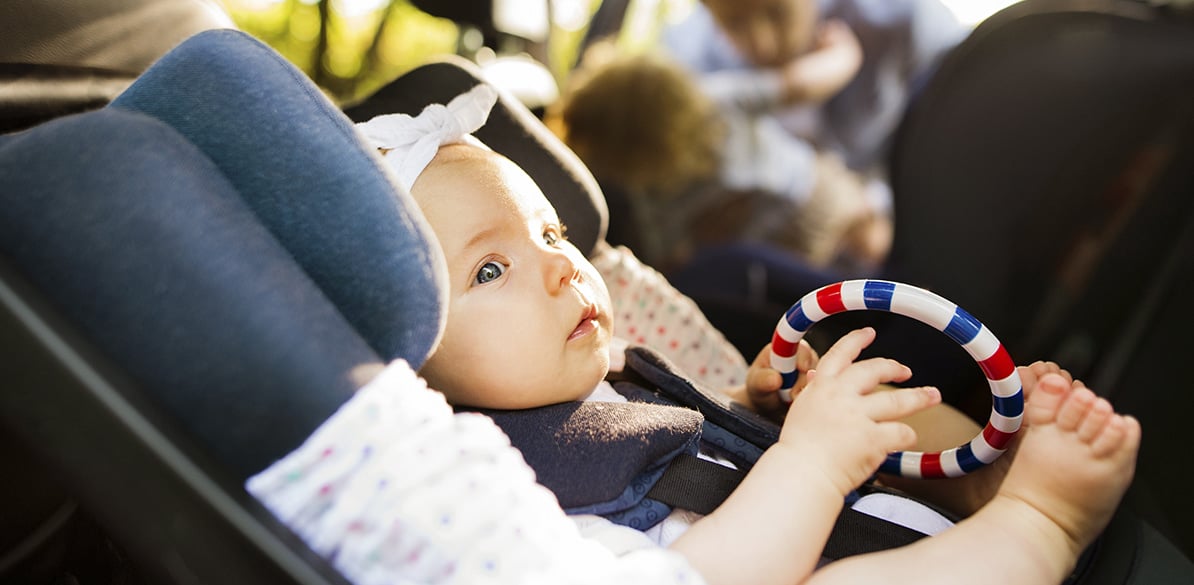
{"x":695,"y":484}
{"x":699,"y":485}
{"x":856,"y":533}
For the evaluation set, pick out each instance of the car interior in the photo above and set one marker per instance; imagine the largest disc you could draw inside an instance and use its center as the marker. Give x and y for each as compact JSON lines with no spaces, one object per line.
{"x":174,"y":317}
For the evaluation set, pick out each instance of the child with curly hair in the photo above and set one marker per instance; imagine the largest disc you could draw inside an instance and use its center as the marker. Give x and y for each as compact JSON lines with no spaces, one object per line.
{"x":693,"y":173}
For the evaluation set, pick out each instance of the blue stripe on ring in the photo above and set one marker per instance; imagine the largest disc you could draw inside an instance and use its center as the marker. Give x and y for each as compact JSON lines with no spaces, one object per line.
{"x":788,"y":378}
{"x":966,"y":459}
{"x":796,"y":319}
{"x":1012,"y":406}
{"x":892,"y":463}
{"x":963,"y":327}
{"x":876,"y":294}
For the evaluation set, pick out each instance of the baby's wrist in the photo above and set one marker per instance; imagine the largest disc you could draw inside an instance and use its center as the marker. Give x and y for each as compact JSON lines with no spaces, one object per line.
{"x":812,"y":468}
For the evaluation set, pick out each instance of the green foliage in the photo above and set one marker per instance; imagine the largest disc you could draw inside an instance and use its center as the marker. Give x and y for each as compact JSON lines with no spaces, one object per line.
{"x":346,"y":50}
{"x":350,"y":48}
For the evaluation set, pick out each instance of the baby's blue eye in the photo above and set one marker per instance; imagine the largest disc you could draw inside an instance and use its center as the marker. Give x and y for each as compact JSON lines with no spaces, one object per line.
{"x":490,"y":272}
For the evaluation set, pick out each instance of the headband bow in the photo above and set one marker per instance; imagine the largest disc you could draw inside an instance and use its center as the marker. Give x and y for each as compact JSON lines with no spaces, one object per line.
{"x":409,"y":143}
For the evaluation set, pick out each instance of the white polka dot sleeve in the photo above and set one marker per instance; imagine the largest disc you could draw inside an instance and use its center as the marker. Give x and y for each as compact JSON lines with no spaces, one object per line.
{"x":396,"y":488}
{"x":649,"y":311}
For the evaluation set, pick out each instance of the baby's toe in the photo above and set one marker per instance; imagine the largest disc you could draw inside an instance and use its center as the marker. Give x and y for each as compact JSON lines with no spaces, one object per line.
{"x":1047,"y":398}
{"x":1073,"y":410}
{"x":1095,"y":420}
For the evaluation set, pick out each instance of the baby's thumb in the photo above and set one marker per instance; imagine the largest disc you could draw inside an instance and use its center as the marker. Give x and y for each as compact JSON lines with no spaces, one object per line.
{"x":762,"y":381}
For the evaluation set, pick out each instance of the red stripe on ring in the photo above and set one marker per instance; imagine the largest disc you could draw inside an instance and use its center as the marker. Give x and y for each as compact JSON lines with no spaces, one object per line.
{"x":999,"y":365}
{"x":995,"y":437}
{"x":782,"y":347}
{"x":930,"y":466}
{"x":830,"y":299}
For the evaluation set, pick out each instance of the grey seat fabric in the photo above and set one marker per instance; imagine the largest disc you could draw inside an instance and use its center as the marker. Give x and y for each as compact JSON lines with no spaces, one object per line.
{"x":59,"y":57}
{"x":113,"y":35}
{"x":1042,"y":181}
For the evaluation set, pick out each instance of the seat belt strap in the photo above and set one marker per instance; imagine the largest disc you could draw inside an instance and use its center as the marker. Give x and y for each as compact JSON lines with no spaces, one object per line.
{"x":691,"y":483}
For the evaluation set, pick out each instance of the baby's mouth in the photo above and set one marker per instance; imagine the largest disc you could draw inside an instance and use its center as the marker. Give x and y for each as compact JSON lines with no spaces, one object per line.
{"x":587,"y":323}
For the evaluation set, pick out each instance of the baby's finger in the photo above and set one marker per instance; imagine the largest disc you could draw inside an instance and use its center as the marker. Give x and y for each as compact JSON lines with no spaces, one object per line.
{"x":894,"y":436}
{"x":763,"y":359}
{"x":845,"y":351}
{"x":806,"y":356}
{"x":865,"y":375}
{"x":895,"y":404}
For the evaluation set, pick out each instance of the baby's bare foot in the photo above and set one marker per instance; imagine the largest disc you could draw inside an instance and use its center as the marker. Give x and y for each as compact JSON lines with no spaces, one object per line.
{"x":973,"y":491}
{"x":1074,"y":463}
{"x":1031,"y":375}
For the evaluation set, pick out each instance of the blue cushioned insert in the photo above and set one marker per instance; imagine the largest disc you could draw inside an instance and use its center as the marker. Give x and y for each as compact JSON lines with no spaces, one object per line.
{"x":588,"y":453}
{"x":298,"y":163}
{"x":141,"y":243}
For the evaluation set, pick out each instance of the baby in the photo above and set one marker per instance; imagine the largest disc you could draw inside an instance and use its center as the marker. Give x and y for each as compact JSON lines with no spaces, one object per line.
{"x":529,"y":324}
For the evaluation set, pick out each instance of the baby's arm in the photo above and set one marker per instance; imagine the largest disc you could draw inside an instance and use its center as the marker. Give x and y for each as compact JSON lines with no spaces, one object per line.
{"x":774,"y":526}
{"x":821,"y":73}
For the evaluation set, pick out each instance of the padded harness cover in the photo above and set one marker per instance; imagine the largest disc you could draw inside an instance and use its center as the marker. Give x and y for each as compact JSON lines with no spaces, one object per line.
{"x":602,"y":458}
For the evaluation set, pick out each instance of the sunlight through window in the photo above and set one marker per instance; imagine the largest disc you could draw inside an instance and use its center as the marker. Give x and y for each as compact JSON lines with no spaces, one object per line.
{"x":973,"y":12}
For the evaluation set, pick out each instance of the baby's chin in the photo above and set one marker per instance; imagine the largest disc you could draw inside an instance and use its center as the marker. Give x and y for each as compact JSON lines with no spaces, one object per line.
{"x":588,"y":380}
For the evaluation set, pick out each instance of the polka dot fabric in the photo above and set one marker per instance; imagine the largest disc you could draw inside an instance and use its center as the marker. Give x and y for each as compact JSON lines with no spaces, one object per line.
{"x":396,"y":488}
{"x":648,"y":311}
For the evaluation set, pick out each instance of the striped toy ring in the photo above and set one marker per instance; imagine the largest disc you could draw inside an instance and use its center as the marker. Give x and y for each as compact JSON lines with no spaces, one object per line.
{"x":1007,"y":392}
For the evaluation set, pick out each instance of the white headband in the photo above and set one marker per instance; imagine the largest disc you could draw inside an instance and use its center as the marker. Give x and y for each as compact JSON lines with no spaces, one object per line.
{"x":409,"y":143}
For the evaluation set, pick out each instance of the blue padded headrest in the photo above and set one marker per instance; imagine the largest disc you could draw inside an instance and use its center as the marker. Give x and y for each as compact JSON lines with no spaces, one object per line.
{"x":143,"y":245}
{"x":272,"y":134}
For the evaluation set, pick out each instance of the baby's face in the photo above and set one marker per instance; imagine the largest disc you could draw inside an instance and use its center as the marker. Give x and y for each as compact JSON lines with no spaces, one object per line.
{"x":769,"y":33}
{"x":529,"y":319}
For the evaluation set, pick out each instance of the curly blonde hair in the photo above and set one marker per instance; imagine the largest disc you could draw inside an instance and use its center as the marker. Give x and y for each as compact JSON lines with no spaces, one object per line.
{"x":641,"y":122}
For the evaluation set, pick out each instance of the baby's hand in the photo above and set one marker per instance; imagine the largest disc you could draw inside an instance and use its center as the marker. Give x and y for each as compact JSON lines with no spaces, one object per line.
{"x":761,"y":393}
{"x":841,"y":424}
